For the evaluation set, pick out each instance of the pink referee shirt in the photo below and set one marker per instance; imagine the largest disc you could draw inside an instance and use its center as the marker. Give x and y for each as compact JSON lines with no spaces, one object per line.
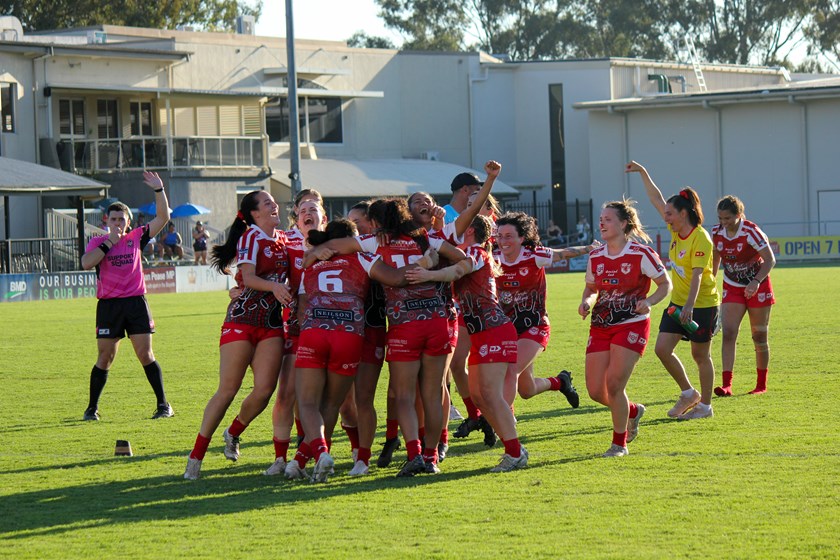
{"x":120,"y":273}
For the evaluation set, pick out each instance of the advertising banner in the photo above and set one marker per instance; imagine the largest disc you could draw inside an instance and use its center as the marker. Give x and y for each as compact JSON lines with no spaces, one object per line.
{"x":806,"y":248}
{"x":160,"y":280}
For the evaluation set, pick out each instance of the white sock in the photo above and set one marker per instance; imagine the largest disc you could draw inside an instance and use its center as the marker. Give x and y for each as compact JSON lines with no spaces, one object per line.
{"x":688,"y":392}
{"x":703,"y":407}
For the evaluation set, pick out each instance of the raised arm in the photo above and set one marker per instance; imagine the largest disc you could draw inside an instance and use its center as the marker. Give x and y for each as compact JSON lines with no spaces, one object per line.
{"x":572,"y":252}
{"x":465,"y":218}
{"x":161,"y":218}
{"x":653,"y":192}
{"x":324,"y":251}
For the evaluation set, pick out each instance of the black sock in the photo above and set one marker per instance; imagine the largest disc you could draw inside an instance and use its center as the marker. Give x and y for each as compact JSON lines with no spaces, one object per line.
{"x":98,"y":378}
{"x":155,"y":377}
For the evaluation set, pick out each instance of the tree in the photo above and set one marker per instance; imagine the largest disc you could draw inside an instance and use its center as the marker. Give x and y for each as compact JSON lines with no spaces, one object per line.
{"x":429,"y":25}
{"x":362,"y":40}
{"x":823,"y":32}
{"x":36,"y":15}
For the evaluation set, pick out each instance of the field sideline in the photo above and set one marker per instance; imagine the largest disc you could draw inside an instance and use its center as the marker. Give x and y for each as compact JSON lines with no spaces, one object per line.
{"x":759,"y":480}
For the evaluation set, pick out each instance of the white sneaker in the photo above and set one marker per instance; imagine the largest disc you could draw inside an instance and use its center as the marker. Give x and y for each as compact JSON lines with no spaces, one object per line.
{"x":193,"y":469}
{"x":616,"y":451}
{"x":295,"y":472}
{"x":231,"y":446}
{"x":684,"y":404}
{"x":359,"y":469}
{"x":323,"y":468}
{"x":278,"y":467}
{"x":509,"y":463}
{"x":698,"y":412}
{"x":633,"y":423}
{"x":454,"y":414}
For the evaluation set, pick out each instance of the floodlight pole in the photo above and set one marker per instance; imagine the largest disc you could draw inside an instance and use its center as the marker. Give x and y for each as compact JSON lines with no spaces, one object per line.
{"x":294,"y":124}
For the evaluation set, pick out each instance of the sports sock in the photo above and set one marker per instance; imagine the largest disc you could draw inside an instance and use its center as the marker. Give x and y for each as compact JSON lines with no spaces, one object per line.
{"x":421,"y":433}
{"x":472,"y":411}
{"x":512,"y":447}
{"x":412,"y":448}
{"x":352,"y":435}
{"x":620,"y":439}
{"x":236,"y":427}
{"x":634,"y":410}
{"x":155,"y":377}
{"x":444,"y":435}
{"x":392,"y":428}
{"x":318,"y":447}
{"x":200,"y":447}
{"x":364,"y":455}
{"x":727,"y":379}
{"x":688,"y":392}
{"x":430,"y":455}
{"x":303,"y":454}
{"x":556,"y":383}
{"x":98,"y":378}
{"x":761,"y":380}
{"x":299,"y":427}
{"x":281,"y":448}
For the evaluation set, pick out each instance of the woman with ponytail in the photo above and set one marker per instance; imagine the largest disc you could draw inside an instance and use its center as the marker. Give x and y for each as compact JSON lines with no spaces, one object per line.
{"x":619,"y":274}
{"x":252,"y":333}
{"x":492,"y":335}
{"x":694,"y":294}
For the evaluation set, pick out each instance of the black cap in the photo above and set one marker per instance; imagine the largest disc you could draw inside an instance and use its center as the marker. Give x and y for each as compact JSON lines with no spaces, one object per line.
{"x":465,"y":179}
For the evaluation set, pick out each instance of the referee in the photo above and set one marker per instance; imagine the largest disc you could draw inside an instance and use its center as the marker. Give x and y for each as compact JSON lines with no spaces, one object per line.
{"x":121,"y":288}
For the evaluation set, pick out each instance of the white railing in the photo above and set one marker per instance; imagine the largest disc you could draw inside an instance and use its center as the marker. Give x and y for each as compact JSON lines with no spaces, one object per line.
{"x":62,"y":224}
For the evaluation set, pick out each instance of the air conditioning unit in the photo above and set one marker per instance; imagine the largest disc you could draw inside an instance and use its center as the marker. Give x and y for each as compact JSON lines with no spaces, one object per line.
{"x":97,"y":37}
{"x":246,"y":25}
{"x":185,"y":28}
{"x":430,"y":156}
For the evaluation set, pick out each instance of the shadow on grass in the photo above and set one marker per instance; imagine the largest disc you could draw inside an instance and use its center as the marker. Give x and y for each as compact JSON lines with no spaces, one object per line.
{"x":60,"y":510}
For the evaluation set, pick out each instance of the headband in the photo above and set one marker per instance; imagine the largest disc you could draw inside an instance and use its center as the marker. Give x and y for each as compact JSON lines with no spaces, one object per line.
{"x":239,"y":216}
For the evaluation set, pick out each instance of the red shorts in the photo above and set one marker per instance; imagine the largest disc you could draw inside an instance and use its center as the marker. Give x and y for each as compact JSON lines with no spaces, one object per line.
{"x":337,"y":351}
{"x":454,"y":326}
{"x":633,"y":336}
{"x":373,"y":349}
{"x":433,"y":337}
{"x":231,"y":332}
{"x":290,"y":346}
{"x":763,"y":297}
{"x":539,"y":334}
{"x":493,"y":345}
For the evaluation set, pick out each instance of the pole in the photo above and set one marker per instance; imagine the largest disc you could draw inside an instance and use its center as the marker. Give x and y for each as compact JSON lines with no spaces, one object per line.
{"x":80,"y":228}
{"x":294,"y":124}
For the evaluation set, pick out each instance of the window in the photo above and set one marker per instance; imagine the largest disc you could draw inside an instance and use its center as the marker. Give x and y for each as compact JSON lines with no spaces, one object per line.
{"x":7,"y":106}
{"x":71,"y":118}
{"x":319,"y":118}
{"x":106,"y":118}
{"x":141,"y":118}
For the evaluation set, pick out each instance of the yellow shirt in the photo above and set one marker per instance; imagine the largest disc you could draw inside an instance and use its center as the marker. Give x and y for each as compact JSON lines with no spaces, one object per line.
{"x":695,"y":251}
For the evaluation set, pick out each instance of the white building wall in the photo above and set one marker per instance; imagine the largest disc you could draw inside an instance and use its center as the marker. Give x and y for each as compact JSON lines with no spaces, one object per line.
{"x":823,"y":134}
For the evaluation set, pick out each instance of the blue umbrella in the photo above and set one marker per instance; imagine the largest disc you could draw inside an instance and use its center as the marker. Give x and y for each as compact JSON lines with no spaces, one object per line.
{"x":189,"y":209}
{"x":149,"y":209}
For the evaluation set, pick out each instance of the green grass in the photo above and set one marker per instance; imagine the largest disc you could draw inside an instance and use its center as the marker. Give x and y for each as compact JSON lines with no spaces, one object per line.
{"x":760,"y":480}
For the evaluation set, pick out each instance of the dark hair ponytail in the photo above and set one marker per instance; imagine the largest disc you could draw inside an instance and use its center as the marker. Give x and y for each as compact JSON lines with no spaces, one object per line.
{"x":394,"y":219}
{"x":221,"y":256}
{"x":336,"y":229}
{"x":688,"y":200}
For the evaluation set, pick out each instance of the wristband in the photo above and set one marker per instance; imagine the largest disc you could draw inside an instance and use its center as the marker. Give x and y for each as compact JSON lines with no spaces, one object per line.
{"x":104,"y":248}
{"x":159,"y":190}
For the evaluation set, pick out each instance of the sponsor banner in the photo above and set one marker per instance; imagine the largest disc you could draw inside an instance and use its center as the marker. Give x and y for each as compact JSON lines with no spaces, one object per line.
{"x":577,"y":264}
{"x":160,"y":280}
{"x":199,"y":279}
{"x":18,"y":287}
{"x":806,"y":248}
{"x":57,"y":285}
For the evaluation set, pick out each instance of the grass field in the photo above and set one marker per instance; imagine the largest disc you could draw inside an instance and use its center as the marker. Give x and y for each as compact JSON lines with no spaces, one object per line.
{"x":759,"y":480}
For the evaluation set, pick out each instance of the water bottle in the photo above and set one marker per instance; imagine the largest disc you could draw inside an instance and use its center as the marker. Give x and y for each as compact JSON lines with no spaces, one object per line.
{"x":674,"y":311}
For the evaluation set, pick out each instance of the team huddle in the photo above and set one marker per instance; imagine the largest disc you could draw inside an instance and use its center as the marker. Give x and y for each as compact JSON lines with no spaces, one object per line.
{"x":459,"y":293}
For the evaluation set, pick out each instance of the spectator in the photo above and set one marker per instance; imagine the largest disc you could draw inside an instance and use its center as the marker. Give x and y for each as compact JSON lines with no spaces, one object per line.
{"x":172,"y":243}
{"x":555,"y":234}
{"x":200,"y":237}
{"x":584,"y":231}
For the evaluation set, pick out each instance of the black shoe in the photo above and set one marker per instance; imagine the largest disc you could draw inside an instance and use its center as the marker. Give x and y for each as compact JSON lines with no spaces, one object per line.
{"x":431,"y":468}
{"x":467,"y":427}
{"x":410,"y":468}
{"x":163,"y":411}
{"x":568,"y":389}
{"x":91,"y":413}
{"x":387,"y":452}
{"x":489,"y":434}
{"x":442,"y":450}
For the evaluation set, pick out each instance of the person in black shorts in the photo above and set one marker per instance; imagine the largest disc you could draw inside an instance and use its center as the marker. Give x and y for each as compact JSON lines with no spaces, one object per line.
{"x":120,"y":288}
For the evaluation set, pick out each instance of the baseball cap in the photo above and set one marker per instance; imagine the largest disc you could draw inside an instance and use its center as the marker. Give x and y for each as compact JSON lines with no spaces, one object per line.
{"x":199,"y":223}
{"x":464,"y":179}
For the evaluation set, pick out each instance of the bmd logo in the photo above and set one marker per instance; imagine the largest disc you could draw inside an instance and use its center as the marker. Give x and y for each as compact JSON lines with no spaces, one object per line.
{"x":16,"y":289}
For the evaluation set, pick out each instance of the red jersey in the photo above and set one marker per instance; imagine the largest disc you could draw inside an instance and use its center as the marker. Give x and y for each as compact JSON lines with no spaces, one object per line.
{"x":521,"y":287}
{"x":448,"y":233}
{"x":476,"y":294}
{"x":739,"y":255}
{"x":268,"y":255}
{"x":621,"y":280}
{"x":295,"y":247}
{"x":336,"y":290}
{"x":415,"y":302}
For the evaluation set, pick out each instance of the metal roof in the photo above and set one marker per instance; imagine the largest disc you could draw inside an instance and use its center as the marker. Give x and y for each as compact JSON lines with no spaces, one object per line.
{"x":24,"y":178}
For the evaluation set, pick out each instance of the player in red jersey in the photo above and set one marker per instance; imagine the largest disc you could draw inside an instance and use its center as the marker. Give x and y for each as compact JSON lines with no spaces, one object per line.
{"x":332,"y":301}
{"x":619,"y":274}
{"x":252,"y":333}
{"x":522,"y":293}
{"x":120,"y":289}
{"x":420,"y":332}
{"x":744,"y":253}
{"x":310,"y":215}
{"x":492,"y":335}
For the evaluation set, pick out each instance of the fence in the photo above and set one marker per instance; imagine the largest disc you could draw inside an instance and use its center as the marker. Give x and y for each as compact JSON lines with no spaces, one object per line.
{"x":566,"y":215}
{"x":38,"y":255}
